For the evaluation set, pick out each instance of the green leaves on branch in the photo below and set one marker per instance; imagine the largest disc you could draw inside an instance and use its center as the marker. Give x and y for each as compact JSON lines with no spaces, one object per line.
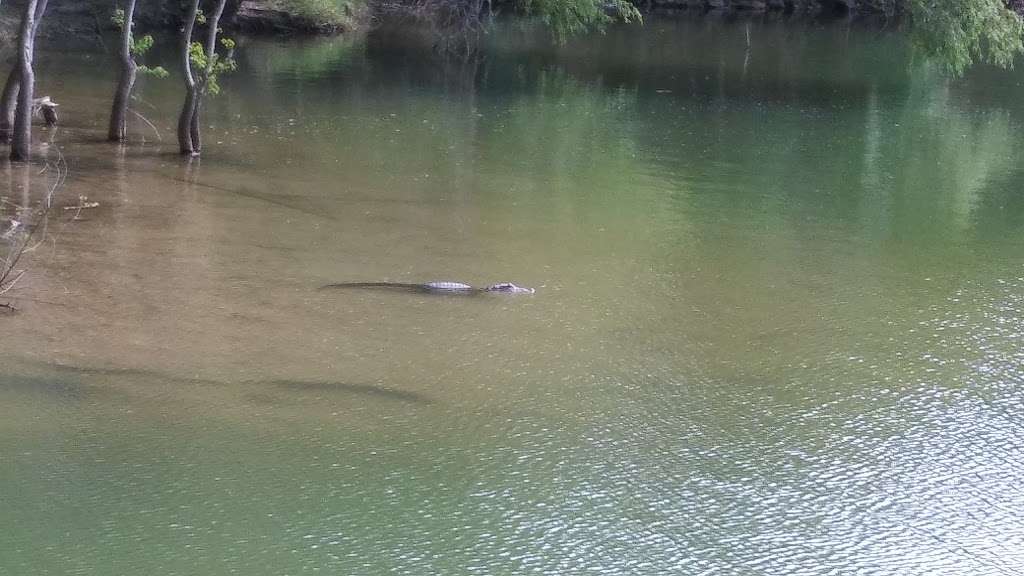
{"x":139,"y":46}
{"x":155,"y":72}
{"x":118,"y":18}
{"x":211,"y":70}
{"x":197,"y":55}
{"x":959,"y":33}
{"x":566,"y":18}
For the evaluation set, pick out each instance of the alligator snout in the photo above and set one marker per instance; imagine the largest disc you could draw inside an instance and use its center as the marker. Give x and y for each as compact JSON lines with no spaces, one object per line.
{"x":510,"y":288}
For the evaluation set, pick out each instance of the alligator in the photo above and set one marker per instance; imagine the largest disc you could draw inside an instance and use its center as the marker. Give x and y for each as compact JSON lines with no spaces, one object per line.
{"x":438,"y":287}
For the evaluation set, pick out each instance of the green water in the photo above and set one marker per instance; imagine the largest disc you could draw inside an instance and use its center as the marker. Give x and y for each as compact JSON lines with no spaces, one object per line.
{"x":777,"y":330}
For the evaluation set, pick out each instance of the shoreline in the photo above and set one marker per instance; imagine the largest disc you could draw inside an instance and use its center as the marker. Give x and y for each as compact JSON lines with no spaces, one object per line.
{"x":88,"y":22}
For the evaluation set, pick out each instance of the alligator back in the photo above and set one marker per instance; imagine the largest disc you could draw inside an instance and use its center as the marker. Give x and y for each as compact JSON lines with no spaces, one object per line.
{"x":448,"y":287}
{"x":438,"y":287}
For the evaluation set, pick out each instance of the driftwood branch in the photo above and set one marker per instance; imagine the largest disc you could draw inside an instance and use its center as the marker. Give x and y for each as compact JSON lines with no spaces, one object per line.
{"x":150,"y":124}
{"x":11,"y":284}
{"x":22,"y":231}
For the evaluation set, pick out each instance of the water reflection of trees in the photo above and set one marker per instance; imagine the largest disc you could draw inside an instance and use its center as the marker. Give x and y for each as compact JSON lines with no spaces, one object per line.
{"x":810,"y":120}
{"x":835,"y":124}
{"x":827,"y":155}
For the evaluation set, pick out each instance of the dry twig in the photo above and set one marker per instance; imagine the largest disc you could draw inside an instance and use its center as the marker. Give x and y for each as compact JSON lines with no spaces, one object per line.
{"x":21,"y":242}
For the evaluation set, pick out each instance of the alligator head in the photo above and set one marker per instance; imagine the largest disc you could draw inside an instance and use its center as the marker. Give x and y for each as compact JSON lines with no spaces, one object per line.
{"x":509,"y":288}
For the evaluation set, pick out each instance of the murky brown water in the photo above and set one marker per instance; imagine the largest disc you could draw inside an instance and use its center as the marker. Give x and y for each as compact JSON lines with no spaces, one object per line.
{"x":777,"y":327}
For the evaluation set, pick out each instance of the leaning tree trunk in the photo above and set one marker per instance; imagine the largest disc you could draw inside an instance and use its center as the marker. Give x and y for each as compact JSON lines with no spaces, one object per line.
{"x":211,"y":62}
{"x":9,"y":100}
{"x":21,"y":140}
{"x":118,"y":115}
{"x":9,"y":103}
{"x":188,"y":111}
{"x":188,"y":122}
{"x":193,"y":126}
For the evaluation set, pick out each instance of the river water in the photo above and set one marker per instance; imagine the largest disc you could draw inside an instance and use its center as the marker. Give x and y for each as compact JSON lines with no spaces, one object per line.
{"x":777,"y":330}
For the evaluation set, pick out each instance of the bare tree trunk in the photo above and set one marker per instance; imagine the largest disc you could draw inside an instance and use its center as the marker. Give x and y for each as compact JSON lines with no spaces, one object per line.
{"x":188,"y":111}
{"x":21,"y":140}
{"x":197,"y":140}
{"x":9,"y":100}
{"x":118,"y":115}
{"x":9,"y":103}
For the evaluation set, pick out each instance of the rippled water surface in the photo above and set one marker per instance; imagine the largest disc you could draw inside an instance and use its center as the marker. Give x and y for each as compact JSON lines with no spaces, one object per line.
{"x":777,"y":328}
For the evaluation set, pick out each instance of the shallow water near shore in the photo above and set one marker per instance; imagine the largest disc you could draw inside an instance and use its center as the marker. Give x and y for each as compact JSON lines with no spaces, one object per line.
{"x":777,"y":329}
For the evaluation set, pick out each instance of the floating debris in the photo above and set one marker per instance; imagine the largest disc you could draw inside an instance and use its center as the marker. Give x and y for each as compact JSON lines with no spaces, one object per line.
{"x":83,"y":203}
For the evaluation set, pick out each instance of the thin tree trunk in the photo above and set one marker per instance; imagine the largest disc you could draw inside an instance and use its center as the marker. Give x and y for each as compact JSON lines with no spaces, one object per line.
{"x":21,"y":140}
{"x":9,"y":103}
{"x":20,"y":148}
{"x":191,"y":89}
{"x":9,"y":100}
{"x":118,"y":115}
{"x":197,"y":140}
{"x":213,"y":21}
{"x":211,"y":38}
{"x":185,"y":145}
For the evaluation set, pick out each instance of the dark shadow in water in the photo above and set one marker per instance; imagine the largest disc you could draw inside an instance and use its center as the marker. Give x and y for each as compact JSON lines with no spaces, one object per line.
{"x":281,"y":200}
{"x":343,"y":388}
{"x":128,"y":373}
{"x":58,"y":389}
{"x":69,"y":388}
